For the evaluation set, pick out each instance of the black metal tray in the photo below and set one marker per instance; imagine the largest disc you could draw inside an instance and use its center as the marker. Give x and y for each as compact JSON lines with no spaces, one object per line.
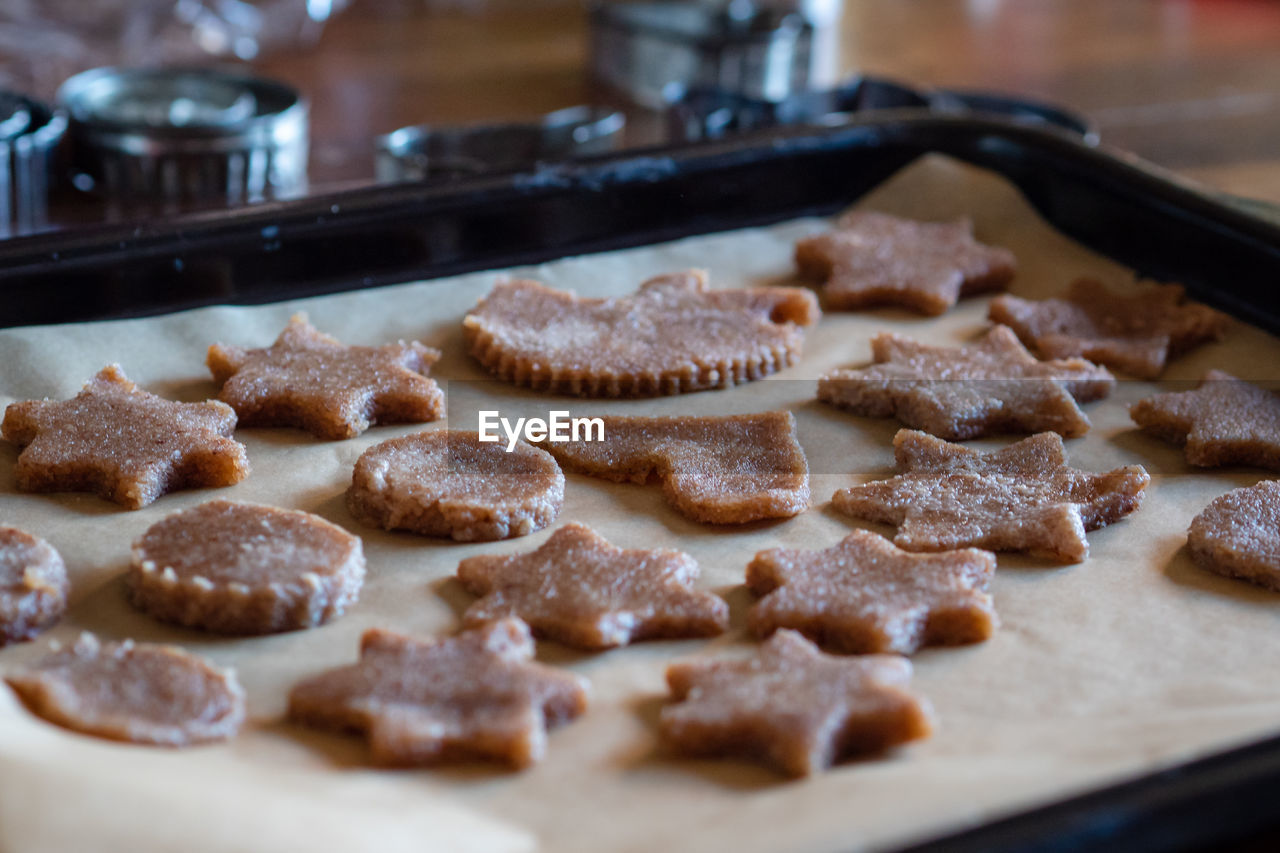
{"x":369,"y":237}
{"x":381,"y":235}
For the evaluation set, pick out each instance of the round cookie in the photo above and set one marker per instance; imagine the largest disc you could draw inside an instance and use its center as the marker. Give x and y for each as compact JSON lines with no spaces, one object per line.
{"x":141,"y":693}
{"x":237,"y":568}
{"x":33,"y":586}
{"x":448,"y":483}
{"x":1238,"y":535}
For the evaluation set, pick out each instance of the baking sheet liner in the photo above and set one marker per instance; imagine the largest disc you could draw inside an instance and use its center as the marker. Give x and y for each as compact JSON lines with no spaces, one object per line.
{"x":1100,"y":671}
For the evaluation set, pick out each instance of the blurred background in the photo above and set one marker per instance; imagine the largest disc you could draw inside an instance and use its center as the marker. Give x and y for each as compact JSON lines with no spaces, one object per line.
{"x":1190,"y":85}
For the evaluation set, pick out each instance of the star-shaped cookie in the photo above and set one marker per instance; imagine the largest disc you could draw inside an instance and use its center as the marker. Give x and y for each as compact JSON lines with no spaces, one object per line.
{"x":476,"y":695}
{"x":309,"y":380}
{"x":1225,"y":421}
{"x":993,"y":385}
{"x":673,"y":335}
{"x":867,"y":595}
{"x":793,"y":707}
{"x":1136,"y":333}
{"x":877,"y":259}
{"x":1023,"y":497}
{"x":581,"y":590}
{"x":720,"y":470}
{"x":123,"y":443}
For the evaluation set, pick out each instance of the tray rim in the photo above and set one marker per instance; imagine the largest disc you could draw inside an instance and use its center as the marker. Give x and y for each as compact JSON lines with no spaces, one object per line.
{"x":64,"y":248}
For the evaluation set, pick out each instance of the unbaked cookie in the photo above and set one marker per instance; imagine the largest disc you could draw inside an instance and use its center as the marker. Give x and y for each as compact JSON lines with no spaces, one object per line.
{"x":122,"y":443}
{"x":719,"y":470}
{"x":238,"y":568}
{"x":476,"y":695}
{"x":792,"y":706}
{"x":581,"y":590}
{"x":141,"y":693}
{"x":877,"y":259}
{"x":1238,"y":535}
{"x":1136,"y":332}
{"x":449,"y":483}
{"x":310,"y":380}
{"x":672,"y":336}
{"x":1023,"y":497}
{"x":956,"y":393}
{"x":33,"y":585}
{"x":867,"y":595}
{"x":1225,"y":421}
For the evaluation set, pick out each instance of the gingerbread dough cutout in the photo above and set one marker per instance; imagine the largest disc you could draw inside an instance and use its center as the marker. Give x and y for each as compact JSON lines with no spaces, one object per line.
{"x":122,"y":443}
{"x":956,"y":393}
{"x":718,"y":470}
{"x":867,"y":595}
{"x":674,"y":335}
{"x":1225,"y":421}
{"x":874,"y":259}
{"x":1023,"y":497}
{"x":792,"y":706}
{"x":582,"y":591}
{"x":477,"y":695}
{"x":1238,"y":535}
{"x":310,"y":380}
{"x":450,"y":484}
{"x":136,"y":692}
{"x":237,"y":568}
{"x":1135,"y":333}
{"x":33,"y":585}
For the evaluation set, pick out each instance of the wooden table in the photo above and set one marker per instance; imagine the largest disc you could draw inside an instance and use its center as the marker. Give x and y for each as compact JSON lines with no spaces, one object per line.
{"x":1192,"y":86}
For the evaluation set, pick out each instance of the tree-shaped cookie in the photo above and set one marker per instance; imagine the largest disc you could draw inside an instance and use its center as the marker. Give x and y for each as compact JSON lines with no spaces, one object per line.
{"x":476,"y":695}
{"x":1136,"y":332}
{"x":123,"y":443}
{"x":581,"y":590}
{"x":1023,"y":497}
{"x":877,"y":259}
{"x":993,"y":385}
{"x":673,"y":335}
{"x":867,"y":595}
{"x":720,"y":470}
{"x":1225,"y":421}
{"x":792,"y":706}
{"x":309,"y":380}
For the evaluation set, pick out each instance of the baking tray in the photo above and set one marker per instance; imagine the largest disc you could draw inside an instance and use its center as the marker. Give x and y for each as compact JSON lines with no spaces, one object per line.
{"x":381,"y":235}
{"x":361,"y":238}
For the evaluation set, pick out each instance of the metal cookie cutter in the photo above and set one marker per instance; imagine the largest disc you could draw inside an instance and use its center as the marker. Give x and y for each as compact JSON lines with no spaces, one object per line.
{"x":424,"y":152}
{"x":183,"y":137}
{"x":29,"y":134}
{"x":653,"y":52}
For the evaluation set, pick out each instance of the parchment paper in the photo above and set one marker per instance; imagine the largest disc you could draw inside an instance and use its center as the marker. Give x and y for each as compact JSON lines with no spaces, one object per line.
{"x":1103,"y":670}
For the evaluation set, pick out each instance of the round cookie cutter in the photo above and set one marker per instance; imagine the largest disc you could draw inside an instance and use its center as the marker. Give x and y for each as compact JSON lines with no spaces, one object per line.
{"x":422,"y":152}
{"x":652,"y":51}
{"x":29,"y":136}
{"x":177,"y":137}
